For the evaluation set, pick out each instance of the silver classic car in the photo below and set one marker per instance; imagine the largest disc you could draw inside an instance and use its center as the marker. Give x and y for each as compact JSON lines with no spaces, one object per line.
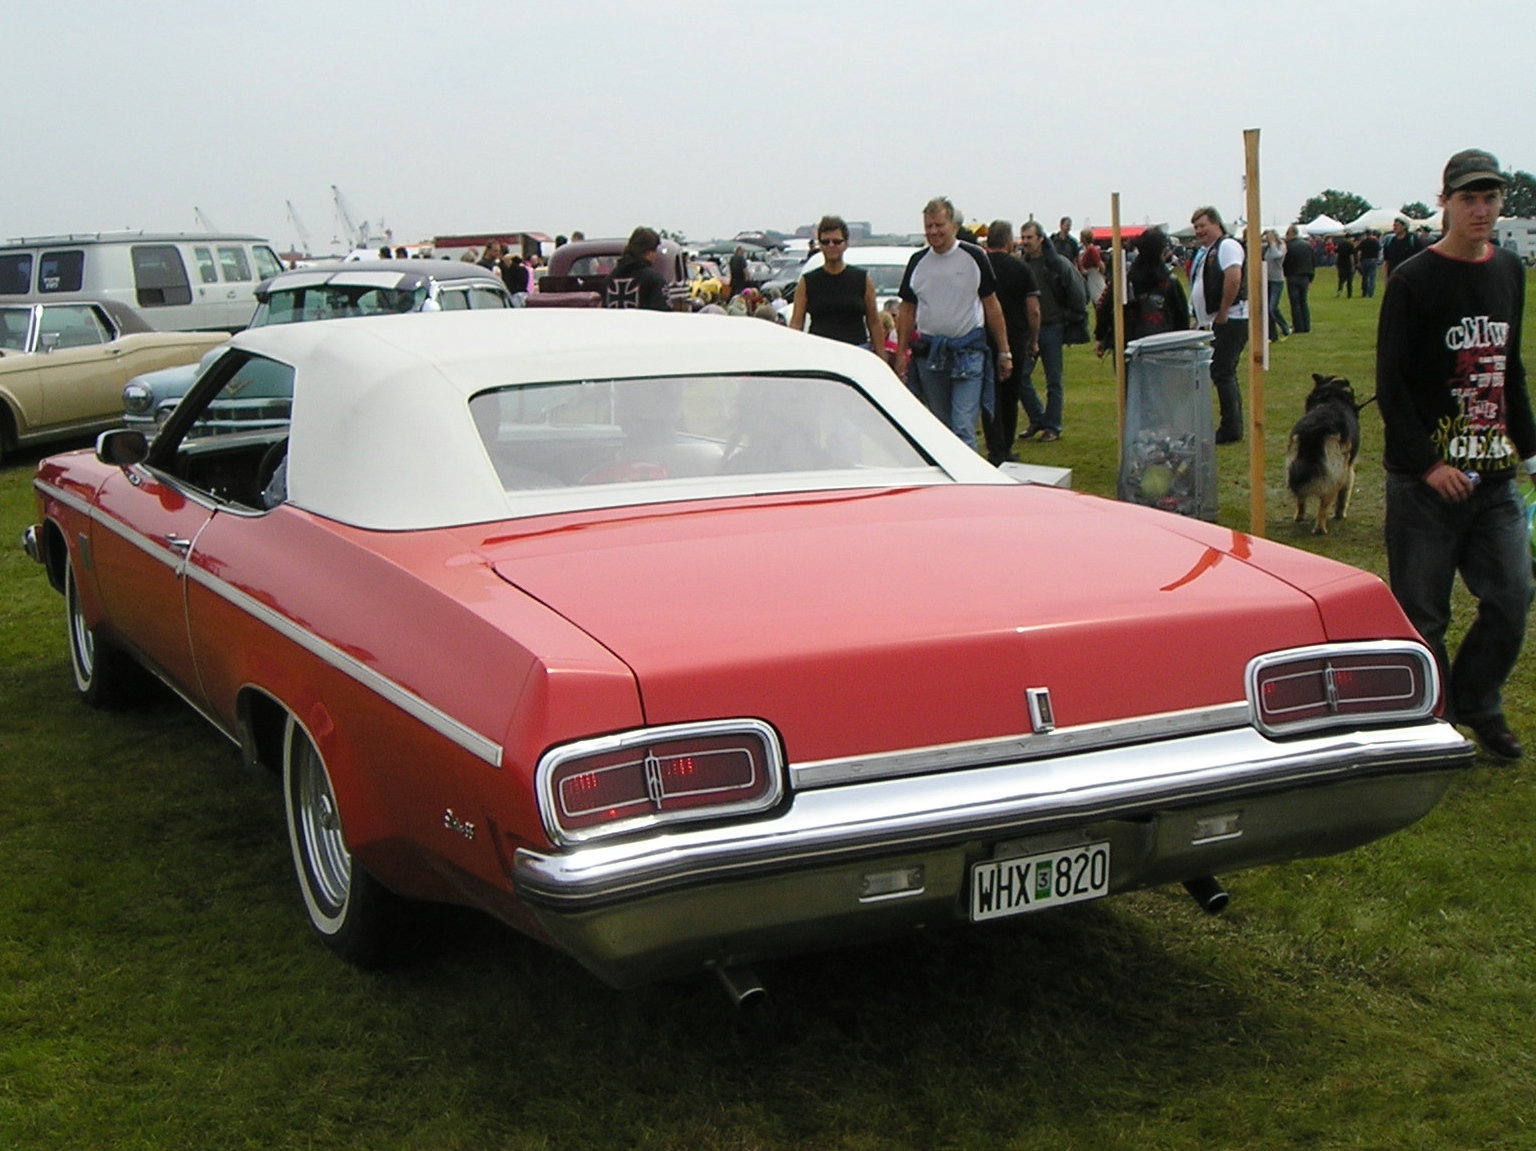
{"x":367,"y":288}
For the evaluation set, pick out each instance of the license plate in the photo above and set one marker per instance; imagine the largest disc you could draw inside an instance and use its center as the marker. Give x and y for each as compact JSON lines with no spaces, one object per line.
{"x":1002,"y":887}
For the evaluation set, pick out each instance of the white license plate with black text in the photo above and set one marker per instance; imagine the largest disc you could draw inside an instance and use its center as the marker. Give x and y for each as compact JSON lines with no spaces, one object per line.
{"x":1001,"y":887}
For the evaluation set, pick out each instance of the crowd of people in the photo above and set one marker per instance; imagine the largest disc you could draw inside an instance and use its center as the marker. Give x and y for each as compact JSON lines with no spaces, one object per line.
{"x":980,"y":311}
{"x":974,"y":320}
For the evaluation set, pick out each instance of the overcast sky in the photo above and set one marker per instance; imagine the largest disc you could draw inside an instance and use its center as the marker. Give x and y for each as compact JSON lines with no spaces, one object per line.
{"x":708,"y":118}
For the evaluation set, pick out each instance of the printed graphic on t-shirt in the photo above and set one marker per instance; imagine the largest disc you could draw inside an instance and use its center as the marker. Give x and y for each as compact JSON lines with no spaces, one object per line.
{"x":622,"y":293}
{"x":1474,"y":439}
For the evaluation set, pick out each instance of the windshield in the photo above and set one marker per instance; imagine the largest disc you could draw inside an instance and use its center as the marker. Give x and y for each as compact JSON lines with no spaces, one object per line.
{"x":671,"y":428}
{"x":335,"y":301}
{"x":887,"y":277}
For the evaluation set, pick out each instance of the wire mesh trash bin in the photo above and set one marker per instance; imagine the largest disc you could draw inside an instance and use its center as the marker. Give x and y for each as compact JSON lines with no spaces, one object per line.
{"x":1168,"y":455}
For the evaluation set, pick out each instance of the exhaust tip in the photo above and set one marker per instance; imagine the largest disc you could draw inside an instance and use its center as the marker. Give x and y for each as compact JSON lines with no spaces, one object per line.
{"x":1208,"y":893}
{"x":742,"y":986}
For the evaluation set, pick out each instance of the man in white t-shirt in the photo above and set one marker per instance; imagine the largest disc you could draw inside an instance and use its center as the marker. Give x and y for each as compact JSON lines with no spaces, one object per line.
{"x":948,"y":305}
{"x":1219,"y":295}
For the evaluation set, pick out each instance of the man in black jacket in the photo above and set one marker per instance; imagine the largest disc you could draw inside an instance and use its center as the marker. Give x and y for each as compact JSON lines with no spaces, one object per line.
{"x":1299,"y":268}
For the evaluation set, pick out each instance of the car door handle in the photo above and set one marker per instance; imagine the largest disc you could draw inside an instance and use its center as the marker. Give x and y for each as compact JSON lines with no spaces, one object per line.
{"x":178,"y":544}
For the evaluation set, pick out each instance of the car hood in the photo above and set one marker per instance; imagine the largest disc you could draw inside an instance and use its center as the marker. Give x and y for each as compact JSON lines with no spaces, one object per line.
{"x":859,"y":622}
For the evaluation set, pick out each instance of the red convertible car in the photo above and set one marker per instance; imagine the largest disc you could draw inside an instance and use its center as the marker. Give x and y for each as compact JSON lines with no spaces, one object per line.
{"x":681,"y":642}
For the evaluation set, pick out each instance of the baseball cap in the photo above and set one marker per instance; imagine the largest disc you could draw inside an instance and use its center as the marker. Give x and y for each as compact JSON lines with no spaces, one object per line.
{"x":1472,"y":166}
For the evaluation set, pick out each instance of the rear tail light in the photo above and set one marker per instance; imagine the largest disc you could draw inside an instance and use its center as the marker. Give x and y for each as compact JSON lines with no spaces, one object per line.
{"x":654,"y":776}
{"x":1338,"y":684}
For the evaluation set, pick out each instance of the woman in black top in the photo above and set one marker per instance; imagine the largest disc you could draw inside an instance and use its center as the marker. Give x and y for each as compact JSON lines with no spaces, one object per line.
{"x":838,"y":297}
{"x":1154,"y":301}
{"x":635,"y":282}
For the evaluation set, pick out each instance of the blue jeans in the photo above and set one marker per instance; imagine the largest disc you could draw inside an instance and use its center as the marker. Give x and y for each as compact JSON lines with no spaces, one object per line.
{"x":953,"y":392}
{"x":1368,"y":277}
{"x":1297,"y":288}
{"x":1428,"y":542}
{"x":1277,"y":325}
{"x":1048,"y":417}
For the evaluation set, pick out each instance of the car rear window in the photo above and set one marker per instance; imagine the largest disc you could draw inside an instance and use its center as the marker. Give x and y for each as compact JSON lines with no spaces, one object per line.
{"x":685,"y":428}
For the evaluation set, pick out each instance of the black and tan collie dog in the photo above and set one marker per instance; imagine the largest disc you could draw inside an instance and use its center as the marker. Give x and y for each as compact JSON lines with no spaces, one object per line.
{"x":1320,"y":462}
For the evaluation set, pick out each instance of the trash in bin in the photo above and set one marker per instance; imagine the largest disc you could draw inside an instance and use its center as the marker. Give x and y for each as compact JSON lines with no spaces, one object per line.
{"x":1168,"y":456}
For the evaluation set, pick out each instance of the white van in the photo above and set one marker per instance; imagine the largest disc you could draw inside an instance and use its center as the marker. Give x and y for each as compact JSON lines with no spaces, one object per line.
{"x":178,"y":282}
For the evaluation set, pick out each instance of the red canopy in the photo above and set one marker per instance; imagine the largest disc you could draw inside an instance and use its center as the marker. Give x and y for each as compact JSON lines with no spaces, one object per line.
{"x":1127,"y":232}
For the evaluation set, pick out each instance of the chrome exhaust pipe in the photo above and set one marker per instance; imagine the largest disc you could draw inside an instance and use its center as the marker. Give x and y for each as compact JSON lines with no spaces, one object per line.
{"x":741,"y":985}
{"x":1208,"y":892}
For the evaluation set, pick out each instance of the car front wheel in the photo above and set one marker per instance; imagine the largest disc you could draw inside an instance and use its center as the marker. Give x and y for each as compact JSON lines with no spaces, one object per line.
{"x":104,"y":675}
{"x":352,"y":912}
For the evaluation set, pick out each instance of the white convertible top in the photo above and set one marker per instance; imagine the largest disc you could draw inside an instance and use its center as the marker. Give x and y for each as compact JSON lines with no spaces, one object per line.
{"x":382,"y":435}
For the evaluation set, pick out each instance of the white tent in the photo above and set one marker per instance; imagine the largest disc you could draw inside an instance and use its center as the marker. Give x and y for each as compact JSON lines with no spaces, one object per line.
{"x":1376,"y":220}
{"x":1322,"y":226}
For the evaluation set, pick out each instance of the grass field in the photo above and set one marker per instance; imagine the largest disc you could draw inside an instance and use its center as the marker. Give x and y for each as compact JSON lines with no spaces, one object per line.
{"x":159,"y":989}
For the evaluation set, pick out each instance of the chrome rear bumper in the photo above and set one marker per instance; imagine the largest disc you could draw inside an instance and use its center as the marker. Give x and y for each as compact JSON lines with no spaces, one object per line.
{"x":800,"y":878}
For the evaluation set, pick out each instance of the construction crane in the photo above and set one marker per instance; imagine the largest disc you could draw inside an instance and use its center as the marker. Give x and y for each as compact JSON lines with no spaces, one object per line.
{"x":300,"y":229}
{"x":202,"y":218}
{"x":355,"y":235}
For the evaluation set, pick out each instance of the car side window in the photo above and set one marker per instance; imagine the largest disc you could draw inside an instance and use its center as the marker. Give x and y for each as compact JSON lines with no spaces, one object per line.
{"x":14,"y":325}
{"x":207,"y":270}
{"x":453,"y":299}
{"x":72,"y":326}
{"x":267,"y":263}
{"x":160,"y":276}
{"x":487,"y":298}
{"x":16,"y":274}
{"x":236,"y":267}
{"x":61,"y":271}
{"x":229,"y":437}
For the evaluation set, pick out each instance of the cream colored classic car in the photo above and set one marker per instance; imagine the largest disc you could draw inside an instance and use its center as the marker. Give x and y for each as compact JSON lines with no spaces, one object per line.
{"x":63,"y":366}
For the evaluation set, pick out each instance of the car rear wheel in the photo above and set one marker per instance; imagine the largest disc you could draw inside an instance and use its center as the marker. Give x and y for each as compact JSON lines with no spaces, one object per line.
{"x":104,"y":675}
{"x":352,"y":912}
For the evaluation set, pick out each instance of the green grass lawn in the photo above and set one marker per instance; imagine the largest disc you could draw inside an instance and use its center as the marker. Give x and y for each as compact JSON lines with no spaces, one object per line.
{"x":159,"y":988}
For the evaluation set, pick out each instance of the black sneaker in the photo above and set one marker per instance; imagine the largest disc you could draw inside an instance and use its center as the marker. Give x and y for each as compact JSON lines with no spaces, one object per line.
{"x":1225,"y":437}
{"x":1497,"y":740}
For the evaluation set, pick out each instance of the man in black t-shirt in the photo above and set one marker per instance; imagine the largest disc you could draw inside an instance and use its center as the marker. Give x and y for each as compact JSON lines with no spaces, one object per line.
{"x":1019,"y":297}
{"x":1460,"y":438}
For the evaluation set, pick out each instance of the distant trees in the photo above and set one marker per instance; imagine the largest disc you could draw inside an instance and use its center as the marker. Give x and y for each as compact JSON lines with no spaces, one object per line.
{"x":1342,"y":206}
{"x":1418,"y":210}
{"x":1520,"y":196}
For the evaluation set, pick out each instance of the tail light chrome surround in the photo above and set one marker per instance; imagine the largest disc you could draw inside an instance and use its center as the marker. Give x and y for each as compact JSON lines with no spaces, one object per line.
{"x":1331,"y":685}
{"x":650,"y":777}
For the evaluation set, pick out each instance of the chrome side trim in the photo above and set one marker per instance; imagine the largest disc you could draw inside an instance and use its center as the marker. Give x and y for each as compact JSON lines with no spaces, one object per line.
{"x":1016,"y":748}
{"x":999,"y":801}
{"x":410,"y":703}
{"x":413,"y":705}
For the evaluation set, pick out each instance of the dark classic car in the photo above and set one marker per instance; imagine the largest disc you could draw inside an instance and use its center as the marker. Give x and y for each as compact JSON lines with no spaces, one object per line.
{"x":579,"y":271}
{"x":677,"y":642}
{"x":362,"y":288}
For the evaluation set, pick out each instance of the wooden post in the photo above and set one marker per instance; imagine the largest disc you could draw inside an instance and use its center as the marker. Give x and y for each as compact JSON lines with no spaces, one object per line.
{"x":1258,"y":340}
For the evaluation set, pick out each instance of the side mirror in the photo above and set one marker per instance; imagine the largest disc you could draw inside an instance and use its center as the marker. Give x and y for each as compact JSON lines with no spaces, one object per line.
{"x":122,"y":447}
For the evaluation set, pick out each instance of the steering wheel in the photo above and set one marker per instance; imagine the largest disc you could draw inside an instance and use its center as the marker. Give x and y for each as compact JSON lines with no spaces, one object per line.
{"x":267,"y":468}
